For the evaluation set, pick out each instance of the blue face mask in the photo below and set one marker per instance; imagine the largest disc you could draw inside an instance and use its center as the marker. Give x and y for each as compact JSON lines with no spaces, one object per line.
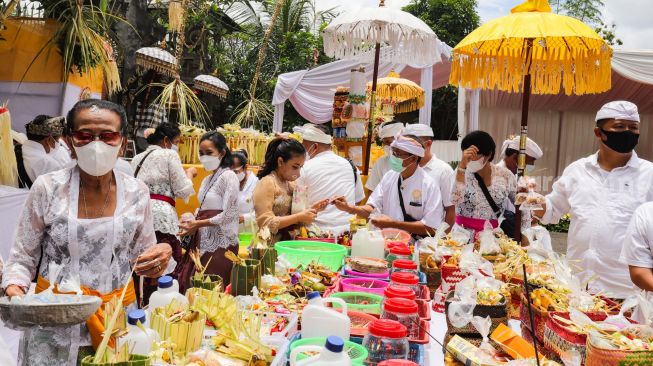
{"x":396,"y":164}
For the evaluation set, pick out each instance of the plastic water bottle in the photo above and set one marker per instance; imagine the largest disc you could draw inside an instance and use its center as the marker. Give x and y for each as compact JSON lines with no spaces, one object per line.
{"x":321,"y":321}
{"x":332,"y":354}
{"x":139,"y":341}
{"x":168,"y":290}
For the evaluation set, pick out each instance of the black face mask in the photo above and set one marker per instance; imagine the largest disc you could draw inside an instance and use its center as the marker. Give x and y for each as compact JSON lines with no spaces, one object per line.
{"x":621,"y":142}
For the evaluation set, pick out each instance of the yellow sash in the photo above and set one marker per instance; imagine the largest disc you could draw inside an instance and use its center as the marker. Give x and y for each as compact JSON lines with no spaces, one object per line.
{"x":95,"y":322}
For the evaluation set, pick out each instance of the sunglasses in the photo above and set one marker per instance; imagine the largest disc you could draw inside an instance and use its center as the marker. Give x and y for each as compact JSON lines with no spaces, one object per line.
{"x":81,"y":138}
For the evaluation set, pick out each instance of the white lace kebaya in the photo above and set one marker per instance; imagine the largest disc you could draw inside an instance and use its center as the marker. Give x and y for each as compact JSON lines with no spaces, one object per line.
{"x":98,"y":251}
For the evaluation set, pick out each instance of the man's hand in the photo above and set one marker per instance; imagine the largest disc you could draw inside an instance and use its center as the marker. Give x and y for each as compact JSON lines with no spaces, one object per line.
{"x":382,"y":222}
{"x":154,"y":261}
{"x":241,"y":219}
{"x":341,"y":203}
{"x":320,"y":205}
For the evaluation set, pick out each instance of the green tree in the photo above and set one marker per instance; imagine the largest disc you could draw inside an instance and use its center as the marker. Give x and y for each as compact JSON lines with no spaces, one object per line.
{"x":590,"y":13}
{"x":451,"y":20}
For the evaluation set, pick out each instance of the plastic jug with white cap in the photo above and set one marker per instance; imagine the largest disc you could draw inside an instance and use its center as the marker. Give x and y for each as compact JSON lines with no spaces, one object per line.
{"x":366,"y":243}
{"x":332,"y":354}
{"x":139,"y":340}
{"x":321,"y":321}
{"x":167,"y":291}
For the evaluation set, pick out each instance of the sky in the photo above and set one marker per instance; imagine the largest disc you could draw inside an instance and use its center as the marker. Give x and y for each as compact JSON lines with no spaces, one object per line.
{"x":632,"y":17}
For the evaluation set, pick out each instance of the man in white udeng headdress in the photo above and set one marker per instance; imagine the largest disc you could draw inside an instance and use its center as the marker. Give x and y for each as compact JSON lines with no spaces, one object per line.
{"x":601,"y":192}
{"x":407,"y":197}
{"x":510,"y":154}
{"x":387,"y":133}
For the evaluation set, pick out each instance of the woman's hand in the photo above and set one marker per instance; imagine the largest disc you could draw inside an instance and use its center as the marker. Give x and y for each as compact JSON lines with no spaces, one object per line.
{"x":154,"y":261}
{"x":320,"y":205}
{"x":306,"y":217}
{"x":188,"y":227}
{"x":191,"y":172}
{"x":341,"y":203}
{"x":382,"y":221}
{"x":471,"y":153}
{"x":14,"y":290}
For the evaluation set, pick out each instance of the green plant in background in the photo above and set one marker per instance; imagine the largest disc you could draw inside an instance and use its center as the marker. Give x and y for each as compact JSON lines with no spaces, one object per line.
{"x":562,"y":226}
{"x":454,"y":164}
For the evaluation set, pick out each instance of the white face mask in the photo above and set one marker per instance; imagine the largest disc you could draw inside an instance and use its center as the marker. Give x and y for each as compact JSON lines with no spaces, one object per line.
{"x":476,"y":165}
{"x":210,"y":162}
{"x":387,"y":150}
{"x":530,"y":168}
{"x":240,"y":176}
{"x":97,"y":158}
{"x":174,"y":147}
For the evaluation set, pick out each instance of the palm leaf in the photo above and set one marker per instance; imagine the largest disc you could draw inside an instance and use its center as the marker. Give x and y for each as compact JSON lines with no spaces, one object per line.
{"x":178,"y":95}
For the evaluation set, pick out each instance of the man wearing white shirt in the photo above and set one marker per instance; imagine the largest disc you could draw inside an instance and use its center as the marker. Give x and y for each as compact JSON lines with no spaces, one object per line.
{"x":440,"y":171}
{"x":637,"y":252}
{"x":387,"y":133}
{"x":407,"y":197}
{"x":38,"y":152}
{"x":601,"y":192}
{"x":326,"y":175}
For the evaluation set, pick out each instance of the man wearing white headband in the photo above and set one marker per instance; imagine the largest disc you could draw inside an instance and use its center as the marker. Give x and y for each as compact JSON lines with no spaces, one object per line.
{"x":407,"y":197}
{"x":601,"y":192}
{"x":510,"y":153}
{"x":387,"y":133}
{"x":440,"y":171}
{"x":326,"y":175}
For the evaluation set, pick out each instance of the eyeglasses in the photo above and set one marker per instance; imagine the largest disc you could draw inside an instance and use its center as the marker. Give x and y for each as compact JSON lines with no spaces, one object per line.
{"x":110,"y":138}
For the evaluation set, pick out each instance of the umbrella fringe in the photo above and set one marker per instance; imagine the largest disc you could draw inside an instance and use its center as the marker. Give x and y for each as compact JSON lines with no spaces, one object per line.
{"x":575,"y":71}
{"x":412,"y":48}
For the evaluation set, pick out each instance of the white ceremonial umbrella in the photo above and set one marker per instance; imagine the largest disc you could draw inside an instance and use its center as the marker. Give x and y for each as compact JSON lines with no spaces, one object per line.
{"x":157,"y":59}
{"x":212,"y":85}
{"x":405,"y":38}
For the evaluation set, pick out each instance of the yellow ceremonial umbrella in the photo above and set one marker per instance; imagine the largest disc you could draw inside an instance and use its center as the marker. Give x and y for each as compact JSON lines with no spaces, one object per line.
{"x":395,"y":89}
{"x":532,"y":50}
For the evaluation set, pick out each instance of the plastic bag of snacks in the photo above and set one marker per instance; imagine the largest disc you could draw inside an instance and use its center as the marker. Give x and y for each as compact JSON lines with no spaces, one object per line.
{"x":489,"y":245}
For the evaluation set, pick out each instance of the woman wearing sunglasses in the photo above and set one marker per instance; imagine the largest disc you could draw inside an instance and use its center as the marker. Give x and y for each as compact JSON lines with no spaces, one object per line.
{"x":92,"y":220}
{"x":159,"y":167}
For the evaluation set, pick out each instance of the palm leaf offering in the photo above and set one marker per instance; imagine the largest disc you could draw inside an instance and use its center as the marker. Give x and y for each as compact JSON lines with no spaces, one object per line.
{"x":179,"y":324}
{"x":199,"y":279}
{"x":177,"y":95}
{"x":83,"y":39}
{"x":190,"y":144}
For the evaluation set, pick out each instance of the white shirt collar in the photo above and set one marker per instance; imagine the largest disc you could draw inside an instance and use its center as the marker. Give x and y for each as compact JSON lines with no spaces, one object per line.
{"x":633,"y":162}
{"x":154,"y":147}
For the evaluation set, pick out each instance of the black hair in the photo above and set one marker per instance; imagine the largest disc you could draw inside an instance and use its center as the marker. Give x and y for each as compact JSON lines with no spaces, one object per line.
{"x":600,"y":123}
{"x":38,"y":120}
{"x":220,"y":143}
{"x":101,"y":104}
{"x":164,"y":130}
{"x":511,"y":152}
{"x":419,"y":141}
{"x":280,"y":147}
{"x":483,"y":142}
{"x":241,"y":155}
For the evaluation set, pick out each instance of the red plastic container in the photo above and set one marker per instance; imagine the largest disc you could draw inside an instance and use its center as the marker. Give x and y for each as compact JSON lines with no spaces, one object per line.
{"x":405,"y":312}
{"x":385,"y":340}
{"x":404,"y":265}
{"x":392,"y":292}
{"x":405,"y":279}
{"x":397,"y":363}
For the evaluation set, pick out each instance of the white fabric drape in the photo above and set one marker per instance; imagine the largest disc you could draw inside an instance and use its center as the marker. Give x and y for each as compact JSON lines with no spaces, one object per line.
{"x":311,"y":91}
{"x":634,"y":65}
{"x":474,"y":104}
{"x":426,"y":82}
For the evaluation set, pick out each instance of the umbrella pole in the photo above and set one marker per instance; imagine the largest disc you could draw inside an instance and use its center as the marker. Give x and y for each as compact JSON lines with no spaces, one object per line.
{"x":521,"y":162}
{"x":370,"y":126}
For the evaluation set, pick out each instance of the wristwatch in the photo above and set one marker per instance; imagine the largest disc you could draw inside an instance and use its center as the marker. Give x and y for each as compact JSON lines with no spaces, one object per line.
{"x":462,"y":170}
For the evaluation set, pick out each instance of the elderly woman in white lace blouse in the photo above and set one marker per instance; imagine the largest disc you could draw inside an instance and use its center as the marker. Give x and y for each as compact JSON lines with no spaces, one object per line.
{"x":159,"y":167}
{"x":93,"y":220}
{"x":216,"y":222}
